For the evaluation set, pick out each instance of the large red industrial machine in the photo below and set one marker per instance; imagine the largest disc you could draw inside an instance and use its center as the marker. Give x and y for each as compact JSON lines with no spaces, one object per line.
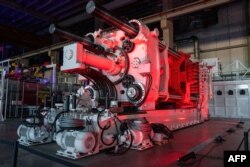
{"x":132,"y":66}
{"x":130,"y":71}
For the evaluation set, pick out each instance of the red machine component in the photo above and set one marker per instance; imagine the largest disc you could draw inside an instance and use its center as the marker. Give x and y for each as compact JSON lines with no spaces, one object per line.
{"x":184,"y":80}
{"x":132,"y":66}
{"x":99,"y":62}
{"x":129,"y":70}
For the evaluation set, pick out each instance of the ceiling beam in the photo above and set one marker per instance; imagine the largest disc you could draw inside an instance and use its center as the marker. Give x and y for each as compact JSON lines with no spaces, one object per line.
{"x":22,"y":38}
{"x":41,"y":50}
{"x":17,"y":7}
{"x":185,"y":9}
{"x":83,"y":16}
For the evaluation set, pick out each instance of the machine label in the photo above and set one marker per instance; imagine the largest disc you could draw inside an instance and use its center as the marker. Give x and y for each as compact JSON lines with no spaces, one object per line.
{"x":236,"y":158}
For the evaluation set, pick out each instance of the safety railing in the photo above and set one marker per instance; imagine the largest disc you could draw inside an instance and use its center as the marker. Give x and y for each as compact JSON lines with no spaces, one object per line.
{"x":231,"y":76}
{"x":24,"y":98}
{"x":245,"y":141}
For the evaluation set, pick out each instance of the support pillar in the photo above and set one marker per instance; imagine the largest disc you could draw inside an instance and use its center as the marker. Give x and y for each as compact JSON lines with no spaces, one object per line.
{"x":245,"y":6}
{"x":167,"y":25}
{"x":54,"y":55}
{"x":167,"y":29}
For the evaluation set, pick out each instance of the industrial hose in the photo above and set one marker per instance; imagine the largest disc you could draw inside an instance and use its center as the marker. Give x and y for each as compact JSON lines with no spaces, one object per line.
{"x":103,"y":129}
{"x":57,"y":117}
{"x":121,"y":149}
{"x":107,"y":125}
{"x":126,"y":65}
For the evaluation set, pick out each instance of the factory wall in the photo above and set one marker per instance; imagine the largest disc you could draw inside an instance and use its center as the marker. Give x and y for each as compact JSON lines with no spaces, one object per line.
{"x":226,"y":40}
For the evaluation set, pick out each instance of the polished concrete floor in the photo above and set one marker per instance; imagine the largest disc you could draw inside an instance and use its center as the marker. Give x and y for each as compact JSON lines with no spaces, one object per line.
{"x":199,"y":138}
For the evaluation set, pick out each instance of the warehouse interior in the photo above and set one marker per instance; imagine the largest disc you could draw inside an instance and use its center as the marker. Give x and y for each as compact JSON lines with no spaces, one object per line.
{"x":143,"y":83}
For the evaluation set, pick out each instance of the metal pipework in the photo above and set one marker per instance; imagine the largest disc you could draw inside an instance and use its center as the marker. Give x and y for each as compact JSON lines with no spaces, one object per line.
{"x":87,"y":44}
{"x":174,"y":97}
{"x":97,"y":11}
{"x":91,"y":58}
{"x":100,"y":62}
{"x":74,"y":102}
{"x":66,"y":103}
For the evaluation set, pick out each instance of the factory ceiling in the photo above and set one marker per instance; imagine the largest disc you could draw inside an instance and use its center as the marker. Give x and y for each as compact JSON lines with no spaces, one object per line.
{"x":22,"y":18}
{"x":25,"y":23}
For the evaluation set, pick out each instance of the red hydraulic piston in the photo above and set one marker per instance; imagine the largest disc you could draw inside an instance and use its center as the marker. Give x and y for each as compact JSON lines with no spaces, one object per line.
{"x":99,"y":62}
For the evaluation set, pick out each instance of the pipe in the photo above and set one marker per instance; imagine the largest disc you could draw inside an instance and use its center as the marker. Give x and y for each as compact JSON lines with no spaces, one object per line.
{"x":247,"y":22}
{"x":196,"y":44}
{"x":178,"y":97}
{"x":86,"y":42}
{"x":66,"y":103}
{"x":87,"y":57}
{"x":196,"y":47}
{"x":102,"y":14}
{"x":214,"y":49}
{"x":246,"y":141}
{"x":185,"y":9}
{"x":112,"y":5}
{"x":15,"y":154}
{"x":188,"y":39}
{"x":73,"y":102}
{"x":54,"y":30}
{"x":53,"y":101}
{"x":223,"y":48}
{"x":99,"y":62}
{"x":107,"y":101}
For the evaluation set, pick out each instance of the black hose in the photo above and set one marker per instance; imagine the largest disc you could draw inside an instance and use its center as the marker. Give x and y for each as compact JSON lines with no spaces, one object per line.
{"x":107,"y":125}
{"x":102,"y":83}
{"x":118,"y":119}
{"x":122,"y":151}
{"x":102,"y":139}
{"x":126,"y":66}
{"x":238,"y":148}
{"x":57,"y":117}
{"x":117,"y":150}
